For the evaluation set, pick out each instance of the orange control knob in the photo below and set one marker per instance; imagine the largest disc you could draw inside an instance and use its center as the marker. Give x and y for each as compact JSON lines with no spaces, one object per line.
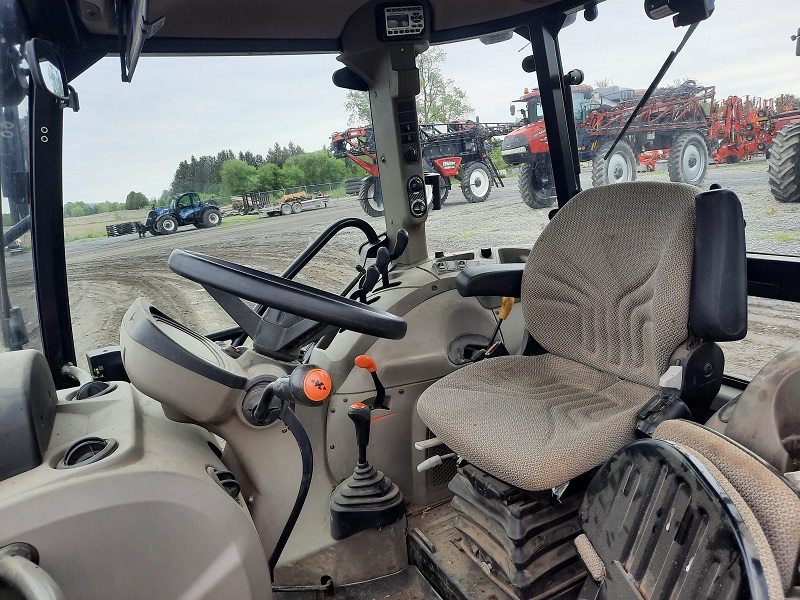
{"x":317,"y":385}
{"x":365,"y":362}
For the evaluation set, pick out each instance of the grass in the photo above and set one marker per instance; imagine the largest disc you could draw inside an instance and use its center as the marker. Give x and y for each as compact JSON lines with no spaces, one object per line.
{"x":785,"y":237}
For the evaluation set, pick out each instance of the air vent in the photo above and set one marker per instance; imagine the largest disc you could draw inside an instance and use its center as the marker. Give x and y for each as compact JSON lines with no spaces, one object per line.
{"x":86,"y":451}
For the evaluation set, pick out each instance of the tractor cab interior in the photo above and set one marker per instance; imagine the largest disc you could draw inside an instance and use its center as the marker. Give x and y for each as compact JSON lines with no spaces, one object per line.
{"x":514,"y":422}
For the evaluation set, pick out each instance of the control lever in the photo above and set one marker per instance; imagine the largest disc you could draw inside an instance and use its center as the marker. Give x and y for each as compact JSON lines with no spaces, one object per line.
{"x":370,"y":279}
{"x":497,"y":348}
{"x":308,"y":385}
{"x":360,"y":414}
{"x":400,"y":245}
{"x":366,"y":362}
{"x":382,"y":263}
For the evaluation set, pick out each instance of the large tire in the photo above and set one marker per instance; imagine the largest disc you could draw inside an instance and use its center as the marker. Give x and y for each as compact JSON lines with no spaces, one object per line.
{"x":371,"y":197}
{"x":784,"y":164}
{"x":211,"y":218}
{"x":167,"y":225}
{"x":535,"y":193}
{"x":286,"y":209}
{"x":444,"y":189}
{"x":297,"y":208}
{"x":352,"y":186}
{"x":688,"y":158}
{"x":476,"y":182}
{"x":620,"y":166}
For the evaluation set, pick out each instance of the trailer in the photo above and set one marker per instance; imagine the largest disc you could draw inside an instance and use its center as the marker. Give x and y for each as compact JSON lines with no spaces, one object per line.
{"x":272,"y":204}
{"x":460,"y":149}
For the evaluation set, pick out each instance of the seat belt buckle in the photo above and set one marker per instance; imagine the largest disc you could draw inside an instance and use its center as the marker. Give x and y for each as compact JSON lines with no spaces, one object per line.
{"x":663,"y":406}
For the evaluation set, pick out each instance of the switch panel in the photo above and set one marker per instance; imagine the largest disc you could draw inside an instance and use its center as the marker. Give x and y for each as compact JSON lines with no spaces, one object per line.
{"x":416,"y":196}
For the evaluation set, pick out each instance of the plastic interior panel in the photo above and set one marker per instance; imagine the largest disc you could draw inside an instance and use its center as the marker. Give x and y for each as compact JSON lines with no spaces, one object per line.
{"x":657,"y":518}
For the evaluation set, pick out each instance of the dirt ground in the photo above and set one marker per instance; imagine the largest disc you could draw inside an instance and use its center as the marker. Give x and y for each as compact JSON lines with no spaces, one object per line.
{"x":107,"y":274}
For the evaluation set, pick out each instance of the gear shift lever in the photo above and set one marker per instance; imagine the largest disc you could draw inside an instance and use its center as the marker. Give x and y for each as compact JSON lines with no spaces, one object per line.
{"x":360,"y":414}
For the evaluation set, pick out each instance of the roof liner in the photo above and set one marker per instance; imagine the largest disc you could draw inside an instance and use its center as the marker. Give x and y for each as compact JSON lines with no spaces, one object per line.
{"x":299,"y":23}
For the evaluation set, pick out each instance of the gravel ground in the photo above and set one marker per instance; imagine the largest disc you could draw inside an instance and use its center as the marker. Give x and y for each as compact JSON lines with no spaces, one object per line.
{"x":107,"y":274}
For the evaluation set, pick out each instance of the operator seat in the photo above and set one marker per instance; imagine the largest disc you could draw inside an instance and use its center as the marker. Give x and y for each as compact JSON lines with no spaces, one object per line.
{"x":618,"y":281}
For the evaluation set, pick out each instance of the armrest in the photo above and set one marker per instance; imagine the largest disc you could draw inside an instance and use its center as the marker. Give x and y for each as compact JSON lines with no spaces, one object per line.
{"x":491,"y":280}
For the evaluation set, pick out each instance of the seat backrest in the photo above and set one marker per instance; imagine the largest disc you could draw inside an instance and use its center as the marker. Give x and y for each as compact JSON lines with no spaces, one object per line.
{"x":608,"y":282}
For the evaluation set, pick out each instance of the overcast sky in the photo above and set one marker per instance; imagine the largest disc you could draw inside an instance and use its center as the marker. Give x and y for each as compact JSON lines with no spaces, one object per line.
{"x":132,"y":136}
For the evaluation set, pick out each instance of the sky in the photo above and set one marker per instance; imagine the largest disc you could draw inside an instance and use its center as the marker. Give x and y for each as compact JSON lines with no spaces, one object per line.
{"x":131,"y":137}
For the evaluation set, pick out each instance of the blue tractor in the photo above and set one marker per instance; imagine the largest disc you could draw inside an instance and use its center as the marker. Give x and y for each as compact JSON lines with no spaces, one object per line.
{"x":184,"y":209}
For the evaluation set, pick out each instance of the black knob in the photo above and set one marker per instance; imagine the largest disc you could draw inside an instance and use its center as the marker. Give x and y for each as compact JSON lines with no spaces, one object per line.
{"x":370,"y":279}
{"x":412,"y":156}
{"x":486,"y":252}
{"x":415,"y":184}
{"x":360,"y":414}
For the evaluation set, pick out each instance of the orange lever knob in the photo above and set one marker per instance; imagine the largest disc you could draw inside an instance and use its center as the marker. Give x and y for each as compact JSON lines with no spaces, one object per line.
{"x":365,"y":362}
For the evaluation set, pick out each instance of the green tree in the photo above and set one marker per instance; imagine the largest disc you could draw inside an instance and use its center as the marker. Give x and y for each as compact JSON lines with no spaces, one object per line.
{"x":237,"y":176}
{"x":267,"y":177}
{"x":318,"y":167}
{"x":439,"y":100}
{"x":357,"y":106}
{"x":135,"y":200}
{"x":291,"y":176}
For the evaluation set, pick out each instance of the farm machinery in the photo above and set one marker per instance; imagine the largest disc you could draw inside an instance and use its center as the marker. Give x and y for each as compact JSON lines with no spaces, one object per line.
{"x":460,"y":149}
{"x":273,"y":203}
{"x":183,"y":209}
{"x":672,"y":125}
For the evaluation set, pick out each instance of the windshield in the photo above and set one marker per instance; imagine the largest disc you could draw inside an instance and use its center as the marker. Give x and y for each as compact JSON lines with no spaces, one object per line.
{"x":260,"y":152}
{"x":18,"y":311}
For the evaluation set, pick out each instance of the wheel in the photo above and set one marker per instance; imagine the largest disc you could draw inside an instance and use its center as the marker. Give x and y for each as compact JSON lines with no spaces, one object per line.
{"x":620,"y":166}
{"x":153,"y":231}
{"x":688,"y":158}
{"x":211,"y":218}
{"x":371,"y":197}
{"x":167,"y":224}
{"x":784,"y":164}
{"x":297,"y":207}
{"x":286,"y":295}
{"x":352,"y":186}
{"x":444,"y":189}
{"x":476,"y":182}
{"x":536,"y":191}
{"x":286,"y":209}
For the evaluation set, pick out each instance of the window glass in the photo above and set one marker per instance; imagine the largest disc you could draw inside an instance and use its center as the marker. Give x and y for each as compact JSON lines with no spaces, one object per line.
{"x":18,"y":311}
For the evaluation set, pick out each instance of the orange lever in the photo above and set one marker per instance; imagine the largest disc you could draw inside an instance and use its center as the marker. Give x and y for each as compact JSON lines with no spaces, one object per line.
{"x":365,"y":362}
{"x":317,"y":385}
{"x":506,"y":306}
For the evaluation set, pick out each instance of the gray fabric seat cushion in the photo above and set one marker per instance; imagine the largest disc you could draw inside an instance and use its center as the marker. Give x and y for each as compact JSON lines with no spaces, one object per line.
{"x":533,"y":421}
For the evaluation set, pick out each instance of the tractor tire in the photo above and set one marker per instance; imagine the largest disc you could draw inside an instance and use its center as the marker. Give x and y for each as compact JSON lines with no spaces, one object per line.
{"x":476,"y":182}
{"x":297,"y":208}
{"x":211,"y":218}
{"x":784,"y":164}
{"x":286,"y":209}
{"x":352,"y":186}
{"x":371,"y":197}
{"x":688,"y":158}
{"x":533,"y":193}
{"x":620,"y":166}
{"x":167,"y":225}
{"x":153,"y":230}
{"x":444,"y":189}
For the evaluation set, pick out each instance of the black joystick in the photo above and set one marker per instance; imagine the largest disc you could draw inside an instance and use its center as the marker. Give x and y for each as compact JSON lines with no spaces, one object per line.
{"x":400,"y":244}
{"x":367,"y":499}
{"x":360,"y":414}
{"x":382,"y":261}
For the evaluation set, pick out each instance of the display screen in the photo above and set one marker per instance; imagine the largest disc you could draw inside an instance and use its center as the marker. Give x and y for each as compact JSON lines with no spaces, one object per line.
{"x":395,"y":21}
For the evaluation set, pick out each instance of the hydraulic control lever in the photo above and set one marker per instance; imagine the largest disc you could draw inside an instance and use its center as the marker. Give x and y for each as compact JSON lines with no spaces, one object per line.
{"x":400,"y":245}
{"x":382,"y":261}
{"x":308,"y":385}
{"x":366,"y":362}
{"x":371,"y":278}
{"x":496,"y":348}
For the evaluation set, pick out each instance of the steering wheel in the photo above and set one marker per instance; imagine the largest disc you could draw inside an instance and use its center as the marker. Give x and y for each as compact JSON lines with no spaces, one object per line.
{"x":238,"y":281}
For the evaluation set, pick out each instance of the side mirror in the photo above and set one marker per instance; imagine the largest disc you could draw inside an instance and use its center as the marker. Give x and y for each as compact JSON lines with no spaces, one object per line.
{"x":513,"y":110}
{"x":47,"y":72}
{"x":797,"y":37}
